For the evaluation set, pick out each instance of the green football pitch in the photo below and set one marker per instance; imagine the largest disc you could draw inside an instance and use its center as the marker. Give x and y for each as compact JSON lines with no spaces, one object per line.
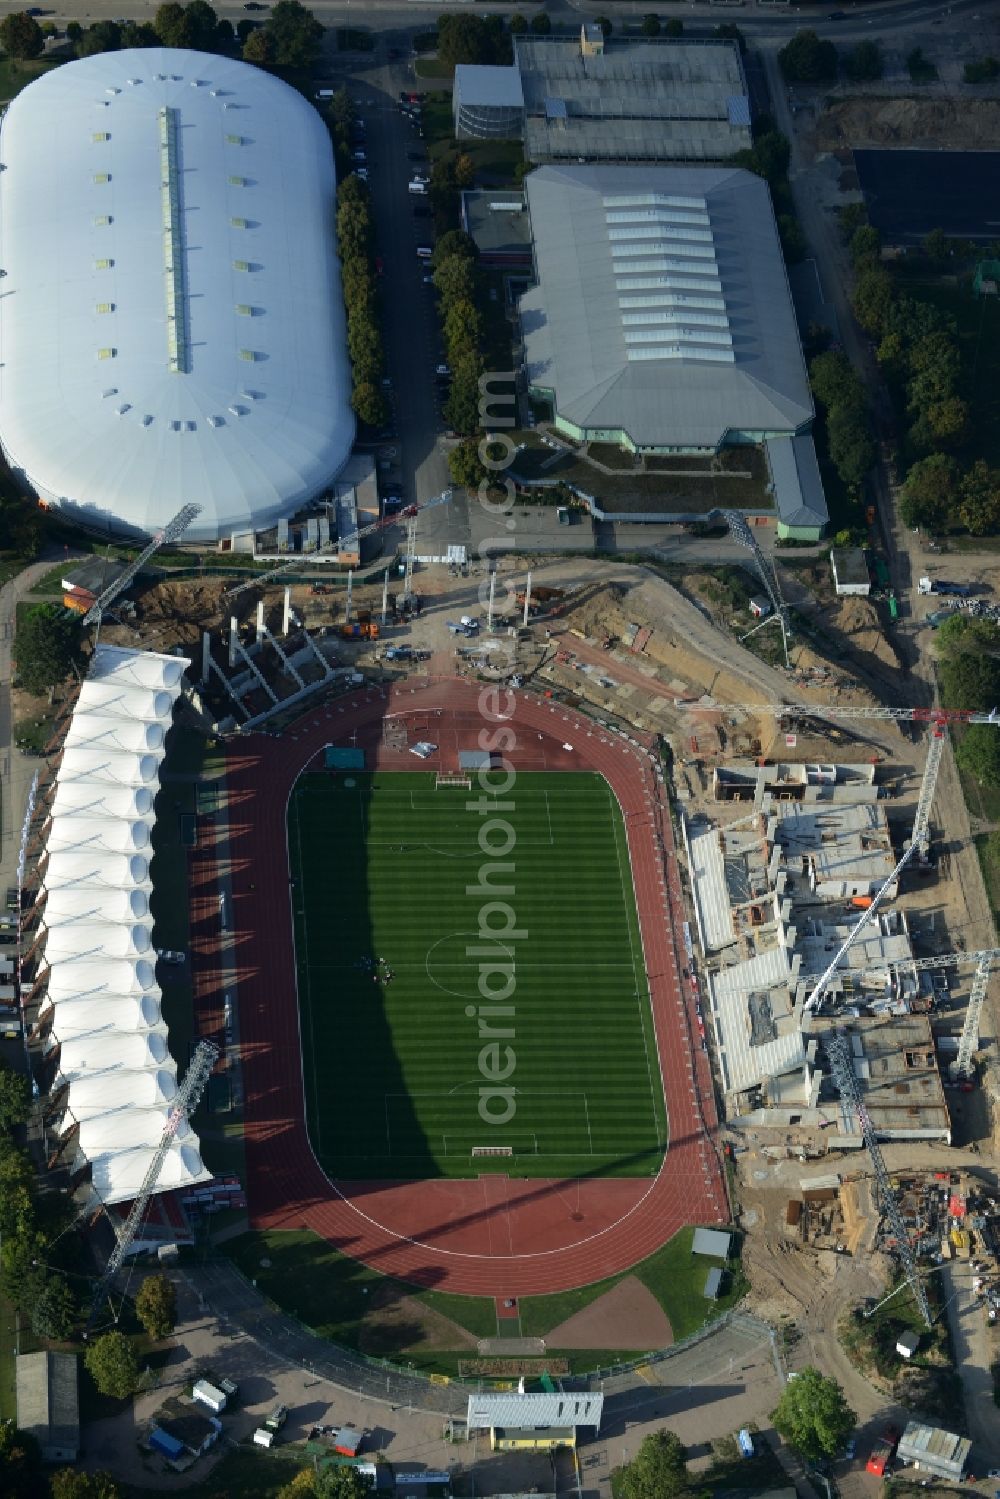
{"x":416,"y":1074}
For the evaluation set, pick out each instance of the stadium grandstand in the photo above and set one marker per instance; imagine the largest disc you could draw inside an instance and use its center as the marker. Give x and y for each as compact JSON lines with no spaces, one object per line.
{"x":99,"y":1009}
{"x":173,"y":325}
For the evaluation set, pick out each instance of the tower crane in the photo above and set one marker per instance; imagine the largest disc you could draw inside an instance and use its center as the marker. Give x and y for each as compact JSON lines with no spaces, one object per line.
{"x":744,"y":537}
{"x":838,"y":1049}
{"x":174,"y":529}
{"x":190,"y":1091}
{"x":409,"y":514}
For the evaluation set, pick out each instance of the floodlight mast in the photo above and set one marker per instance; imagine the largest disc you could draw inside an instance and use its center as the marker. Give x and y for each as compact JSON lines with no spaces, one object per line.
{"x":174,"y":528}
{"x":188,"y":1094}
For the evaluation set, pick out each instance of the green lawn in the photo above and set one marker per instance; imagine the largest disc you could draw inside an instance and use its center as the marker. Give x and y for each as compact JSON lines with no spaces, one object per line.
{"x":988,"y":852}
{"x":8,"y":1351}
{"x":344,"y":1300}
{"x":562,"y":1070}
{"x":14,"y":76}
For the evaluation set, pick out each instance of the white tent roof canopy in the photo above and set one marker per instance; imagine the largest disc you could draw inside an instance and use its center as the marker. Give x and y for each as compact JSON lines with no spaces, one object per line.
{"x":118,"y":1176}
{"x":107,"y":1014}
{"x":115,"y":733}
{"x":112,"y":833}
{"x":102,"y":999}
{"x":95,"y":866}
{"x":126,"y":1089}
{"x":107,"y":1053}
{"x":95,"y":762}
{"x":140,"y":668}
{"x":78,"y":902}
{"x":100,"y":799}
{"x":73,"y":942}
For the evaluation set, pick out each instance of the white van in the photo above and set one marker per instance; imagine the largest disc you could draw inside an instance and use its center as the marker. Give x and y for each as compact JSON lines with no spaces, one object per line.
{"x":416,"y":186}
{"x":324,"y":93}
{"x":424,"y":252}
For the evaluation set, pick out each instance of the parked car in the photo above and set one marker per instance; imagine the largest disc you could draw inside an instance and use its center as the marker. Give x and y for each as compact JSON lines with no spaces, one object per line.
{"x":416,"y":155}
{"x":254,"y":5}
{"x":850,"y":1449}
{"x":168,"y":955}
{"x":443,"y":369}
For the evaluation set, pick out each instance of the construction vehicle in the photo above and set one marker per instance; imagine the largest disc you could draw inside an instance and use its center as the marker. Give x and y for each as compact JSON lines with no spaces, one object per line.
{"x":940,"y":585}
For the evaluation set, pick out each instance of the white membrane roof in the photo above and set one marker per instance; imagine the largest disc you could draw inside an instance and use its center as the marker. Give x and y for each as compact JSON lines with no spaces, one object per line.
{"x":102,"y":1000}
{"x":173,"y":325}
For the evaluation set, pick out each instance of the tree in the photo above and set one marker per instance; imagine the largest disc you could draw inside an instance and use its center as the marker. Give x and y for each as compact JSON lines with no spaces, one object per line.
{"x":465,"y":465}
{"x":341,"y":1483}
{"x":947,"y":423}
{"x":865,"y":246}
{"x":465,"y":38}
{"x":53,"y":1309}
{"x":658,"y":1470}
{"x":296,"y":33}
{"x":20,"y":1463}
{"x":103,"y":36}
{"x":808,"y":59}
{"x":983,"y":70}
{"x":260,"y":48}
{"x":113,"y":1366}
{"x":978,"y":753}
{"x":70,"y":1483}
{"x":674,"y":27}
{"x":852,"y":447}
{"x":21,"y":36}
{"x":863,"y":63}
{"x":928,"y":498}
{"x":517,"y":25}
{"x":728,"y":31}
{"x":369,"y":404}
{"x":139,"y":34}
{"x":793,"y":241}
{"x":605,"y":25}
{"x":979,"y":499}
{"x":970,"y":680}
{"x":204,"y":24}
{"x":74,"y":32}
{"x":15,"y":1097}
{"x":873,"y":299}
{"x":813,"y":1416}
{"x":650,"y":25}
{"x":47,"y":647}
{"x":173,"y":26}
{"x":465,"y":170}
{"x":935,"y":245}
{"x":455,"y":243}
{"x":771,"y":153}
{"x":541,"y":25}
{"x":156,"y":1306}
{"x":225,"y":37}
{"x":462,"y":406}
{"x":833,"y":379}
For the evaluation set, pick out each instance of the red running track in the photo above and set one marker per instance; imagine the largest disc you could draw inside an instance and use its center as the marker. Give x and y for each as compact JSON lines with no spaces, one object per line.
{"x":491,"y":1236}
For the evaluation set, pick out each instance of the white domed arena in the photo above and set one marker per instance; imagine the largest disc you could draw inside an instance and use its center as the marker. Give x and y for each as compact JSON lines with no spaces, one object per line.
{"x":172,"y":327}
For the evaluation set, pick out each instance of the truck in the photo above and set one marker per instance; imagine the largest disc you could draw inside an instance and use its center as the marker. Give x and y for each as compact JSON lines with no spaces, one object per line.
{"x":943,"y":586}
{"x":883,"y":1452}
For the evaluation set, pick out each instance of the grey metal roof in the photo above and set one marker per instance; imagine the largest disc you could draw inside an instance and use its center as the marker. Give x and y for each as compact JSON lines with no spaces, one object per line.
{"x":712,"y":1242}
{"x":47,"y":1399}
{"x":497,"y":220}
{"x":487,"y":87}
{"x":534,"y":1411}
{"x":661,"y":306}
{"x":798,"y":489}
{"x":630,"y":79}
{"x":938,"y":1451}
{"x":564,"y":136}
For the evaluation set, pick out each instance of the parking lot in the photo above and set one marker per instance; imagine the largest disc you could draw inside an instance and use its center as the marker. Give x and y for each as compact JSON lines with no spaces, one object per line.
{"x":394,"y":153}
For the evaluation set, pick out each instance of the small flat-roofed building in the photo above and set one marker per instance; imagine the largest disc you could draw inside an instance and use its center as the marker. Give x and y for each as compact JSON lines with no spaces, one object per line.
{"x":933,"y":1450}
{"x":799,"y":500}
{"x":850,"y":571}
{"x":713,"y":1284}
{"x":487,"y":103}
{"x":48,"y":1404}
{"x":497,"y":220}
{"x":534,"y":1422}
{"x":711,"y":1241}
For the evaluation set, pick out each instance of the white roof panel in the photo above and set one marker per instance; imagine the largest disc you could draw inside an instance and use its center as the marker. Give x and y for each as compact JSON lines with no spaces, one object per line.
{"x":71,"y":941}
{"x":118,"y":1175}
{"x":112,"y":732}
{"x":117,"y":1015}
{"x":105,"y":1133}
{"x":115,"y":834}
{"x":141,"y":668}
{"x":100,"y":1053}
{"x":103,"y":762}
{"x":101,"y":799}
{"x":124,"y":700}
{"x":71,"y":867}
{"x":113,"y":975}
{"x":78,"y":903}
{"x":142,"y":1090}
{"x":179,"y":188}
